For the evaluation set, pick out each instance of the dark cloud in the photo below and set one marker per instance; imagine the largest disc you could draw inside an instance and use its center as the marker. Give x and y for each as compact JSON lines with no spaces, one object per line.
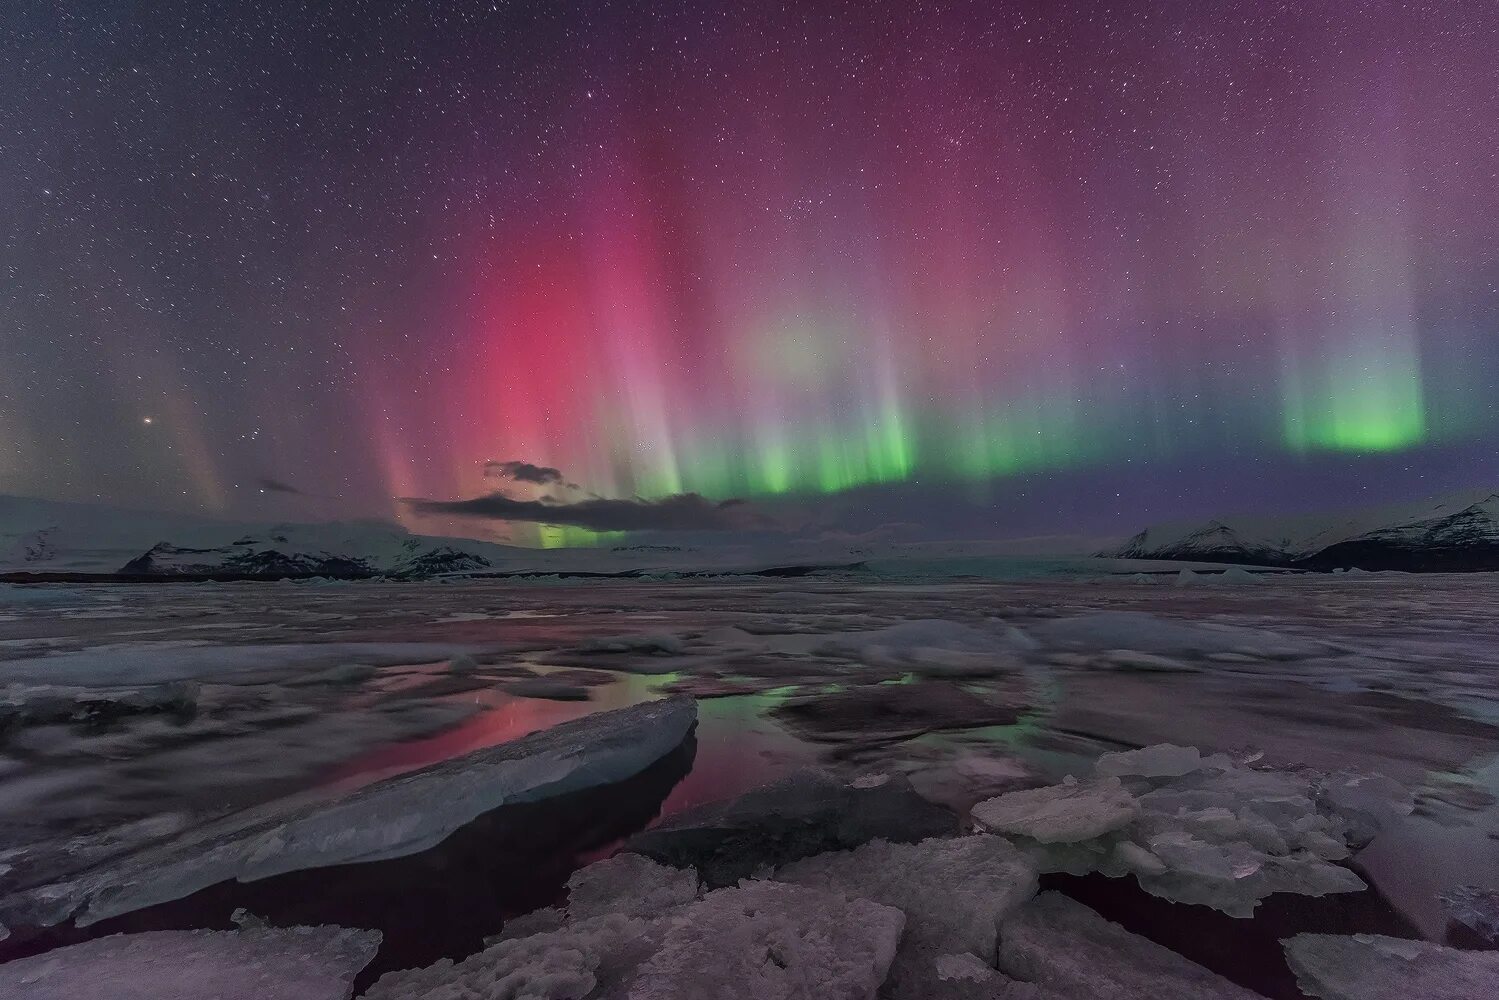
{"x":683,"y":512}
{"x":277,"y":486}
{"x":523,"y":472}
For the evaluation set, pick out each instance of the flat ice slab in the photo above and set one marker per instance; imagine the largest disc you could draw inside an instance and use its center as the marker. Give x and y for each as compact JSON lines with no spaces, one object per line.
{"x":1375,"y":967}
{"x":388,"y":819}
{"x":760,"y":941}
{"x":1072,"y":952}
{"x":1196,"y":829}
{"x":263,"y":963}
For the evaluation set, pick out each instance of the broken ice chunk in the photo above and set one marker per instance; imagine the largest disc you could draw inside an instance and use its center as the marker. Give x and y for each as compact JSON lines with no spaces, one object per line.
{"x":771,"y":941}
{"x":1374,"y":967}
{"x":808,"y":812}
{"x":629,"y":884}
{"x":259,"y":963}
{"x":1073,"y":952}
{"x":1060,"y":814}
{"x":1474,"y":908}
{"x":964,"y":967}
{"x":953,"y":890}
{"x":388,"y":819}
{"x":1164,"y":760}
{"x":564,"y":964}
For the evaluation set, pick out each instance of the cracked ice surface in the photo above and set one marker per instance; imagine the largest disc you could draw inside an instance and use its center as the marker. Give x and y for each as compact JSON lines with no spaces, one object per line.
{"x":954,"y":892}
{"x":764,"y":940}
{"x":1375,"y":967}
{"x":1072,"y":952}
{"x":254,"y":963}
{"x":1220,"y":835}
{"x":388,"y":819}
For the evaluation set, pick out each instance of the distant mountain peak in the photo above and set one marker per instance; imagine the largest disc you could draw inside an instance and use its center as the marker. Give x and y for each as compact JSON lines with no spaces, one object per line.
{"x":1455,"y":533}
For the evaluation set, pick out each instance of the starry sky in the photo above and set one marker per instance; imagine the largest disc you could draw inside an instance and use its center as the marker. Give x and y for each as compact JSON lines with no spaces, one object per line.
{"x":990,"y":267}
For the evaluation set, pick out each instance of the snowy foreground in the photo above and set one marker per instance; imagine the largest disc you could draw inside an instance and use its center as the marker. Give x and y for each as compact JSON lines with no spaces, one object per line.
{"x":1168,"y":787}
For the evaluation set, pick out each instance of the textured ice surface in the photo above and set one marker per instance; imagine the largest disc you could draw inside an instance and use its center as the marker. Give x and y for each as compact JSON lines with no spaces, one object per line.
{"x":158,"y":662}
{"x":1060,"y":814}
{"x":589,"y":958}
{"x":953,"y":892}
{"x":258,"y":963}
{"x":874,"y":713}
{"x":1135,"y":630}
{"x":391,"y":818}
{"x":769,"y":941}
{"x":1072,"y":952}
{"x":808,"y":812}
{"x":1474,"y":908}
{"x":760,"y":941}
{"x":1220,"y":835}
{"x":629,"y":884}
{"x":932,"y":646}
{"x":1164,"y":760}
{"x":1374,"y":967}
{"x":31,"y":704}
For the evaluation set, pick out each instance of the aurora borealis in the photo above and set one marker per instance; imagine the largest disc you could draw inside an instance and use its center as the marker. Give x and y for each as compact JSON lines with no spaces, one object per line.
{"x":744,"y":250}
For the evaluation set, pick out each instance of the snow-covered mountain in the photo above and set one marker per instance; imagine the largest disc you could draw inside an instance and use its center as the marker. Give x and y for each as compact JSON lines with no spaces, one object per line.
{"x":1456,"y":533}
{"x":48,"y":537}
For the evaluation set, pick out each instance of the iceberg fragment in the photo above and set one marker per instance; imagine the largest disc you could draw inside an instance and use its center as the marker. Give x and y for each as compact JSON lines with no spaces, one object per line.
{"x":388,"y":819}
{"x":808,"y":812}
{"x":1216,"y":834}
{"x":628,"y":884}
{"x":953,"y":891}
{"x":1060,"y":814}
{"x":254,"y":963}
{"x":772,"y":941}
{"x":1072,"y":952}
{"x":1375,"y":967}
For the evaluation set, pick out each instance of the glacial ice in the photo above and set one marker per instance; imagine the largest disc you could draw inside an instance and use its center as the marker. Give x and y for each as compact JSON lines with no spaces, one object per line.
{"x":953,"y":891}
{"x":1219,"y":835}
{"x":259,"y":963}
{"x":806,"y":813}
{"x":1137,"y":630}
{"x":139,"y":663}
{"x":758,"y":941}
{"x":1374,"y":967}
{"x":1165,"y":760}
{"x":589,"y":958}
{"x":1060,"y":814}
{"x":630,"y":884}
{"x":932,"y":646}
{"x":771,"y":941}
{"x":1072,"y":952}
{"x":392,"y":818}
{"x":40,"y":704}
{"x":1474,"y":908}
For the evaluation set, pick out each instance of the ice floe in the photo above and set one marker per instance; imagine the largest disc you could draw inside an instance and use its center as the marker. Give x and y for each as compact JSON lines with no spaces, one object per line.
{"x":387,"y":819}
{"x":1375,"y":967}
{"x":953,"y":891}
{"x":253,"y":963}
{"x":808,"y":812}
{"x":1147,"y":633}
{"x":1073,"y":953}
{"x":1060,"y":814}
{"x":1215,"y":833}
{"x":761,"y":940}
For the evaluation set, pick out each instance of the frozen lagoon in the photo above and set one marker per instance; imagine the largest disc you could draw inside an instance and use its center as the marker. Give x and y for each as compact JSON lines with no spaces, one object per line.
{"x":136,"y":715}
